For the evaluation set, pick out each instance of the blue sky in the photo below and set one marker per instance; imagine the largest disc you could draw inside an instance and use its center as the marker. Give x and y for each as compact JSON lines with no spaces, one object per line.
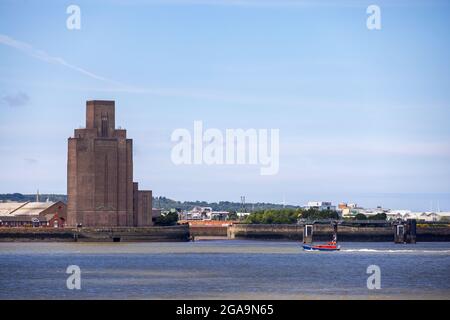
{"x":363,"y":115}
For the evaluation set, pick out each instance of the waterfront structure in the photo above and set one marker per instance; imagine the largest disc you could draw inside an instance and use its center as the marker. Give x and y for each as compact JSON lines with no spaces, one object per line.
{"x":35,"y":214}
{"x":351,"y":210}
{"x":419,"y":216}
{"x":320,"y":205}
{"x":197,"y":213}
{"x":100,"y":187}
{"x":203,"y":213}
{"x":345,"y":205}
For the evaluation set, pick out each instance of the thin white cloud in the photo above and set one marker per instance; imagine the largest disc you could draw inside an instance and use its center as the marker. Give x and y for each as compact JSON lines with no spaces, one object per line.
{"x":44,"y":56}
{"x":214,"y":95}
{"x":120,"y":87}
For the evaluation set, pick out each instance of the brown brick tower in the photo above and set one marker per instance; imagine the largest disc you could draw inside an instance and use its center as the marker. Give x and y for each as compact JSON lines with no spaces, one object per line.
{"x":100,"y":174}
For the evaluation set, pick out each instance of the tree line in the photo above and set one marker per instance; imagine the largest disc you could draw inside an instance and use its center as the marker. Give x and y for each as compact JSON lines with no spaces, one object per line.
{"x":290,"y":216}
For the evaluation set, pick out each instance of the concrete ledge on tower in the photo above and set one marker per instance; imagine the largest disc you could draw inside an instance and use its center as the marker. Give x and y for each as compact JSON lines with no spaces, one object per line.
{"x":142,"y":207}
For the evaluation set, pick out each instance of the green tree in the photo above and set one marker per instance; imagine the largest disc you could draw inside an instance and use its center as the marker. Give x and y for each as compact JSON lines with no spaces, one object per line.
{"x":360,"y":216}
{"x":168,"y":219}
{"x":282,"y":216}
{"x":232,"y":216}
{"x":379,"y":216}
{"x":314,"y":214}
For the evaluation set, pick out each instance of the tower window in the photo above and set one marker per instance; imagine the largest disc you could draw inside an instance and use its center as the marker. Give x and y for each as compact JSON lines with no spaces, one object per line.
{"x":104,"y":126}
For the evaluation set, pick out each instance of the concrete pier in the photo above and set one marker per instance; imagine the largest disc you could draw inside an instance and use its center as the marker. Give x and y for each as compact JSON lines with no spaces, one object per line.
{"x":405,"y":231}
{"x":308,"y":230}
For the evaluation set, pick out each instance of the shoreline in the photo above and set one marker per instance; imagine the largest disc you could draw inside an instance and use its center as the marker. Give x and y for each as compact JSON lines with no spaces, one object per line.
{"x":184,"y":233}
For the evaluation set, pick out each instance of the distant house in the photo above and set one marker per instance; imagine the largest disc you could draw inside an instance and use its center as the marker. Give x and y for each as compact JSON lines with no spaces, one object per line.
{"x":33,"y":214}
{"x":320,"y":205}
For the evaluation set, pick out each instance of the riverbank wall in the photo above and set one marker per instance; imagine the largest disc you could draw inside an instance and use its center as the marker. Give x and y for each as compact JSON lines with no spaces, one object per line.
{"x":324,"y":232}
{"x":185,"y":232}
{"x":147,"y":234}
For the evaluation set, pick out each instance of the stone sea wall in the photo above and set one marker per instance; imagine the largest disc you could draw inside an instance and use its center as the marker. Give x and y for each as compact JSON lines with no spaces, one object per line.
{"x":172,"y":233}
{"x":208,"y":231}
{"x":324,"y":232}
{"x":235,"y":231}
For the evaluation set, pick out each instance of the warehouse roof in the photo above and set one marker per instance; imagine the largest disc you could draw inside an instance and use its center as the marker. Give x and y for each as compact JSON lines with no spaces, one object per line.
{"x":24,"y":208}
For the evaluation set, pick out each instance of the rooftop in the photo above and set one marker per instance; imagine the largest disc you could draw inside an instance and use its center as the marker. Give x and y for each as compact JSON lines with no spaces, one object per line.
{"x":23,"y":208}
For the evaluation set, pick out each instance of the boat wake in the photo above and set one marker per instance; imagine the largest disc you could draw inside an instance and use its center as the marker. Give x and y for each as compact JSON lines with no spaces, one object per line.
{"x":395,"y":251}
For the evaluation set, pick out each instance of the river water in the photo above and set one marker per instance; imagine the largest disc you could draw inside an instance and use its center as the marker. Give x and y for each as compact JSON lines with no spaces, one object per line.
{"x":222,"y":269}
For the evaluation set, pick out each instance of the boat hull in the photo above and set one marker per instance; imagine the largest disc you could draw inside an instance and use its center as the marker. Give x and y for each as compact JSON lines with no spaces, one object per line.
{"x":308,"y":247}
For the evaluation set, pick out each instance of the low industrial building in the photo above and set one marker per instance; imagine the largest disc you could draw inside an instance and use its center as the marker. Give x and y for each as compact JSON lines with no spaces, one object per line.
{"x":33,"y":214}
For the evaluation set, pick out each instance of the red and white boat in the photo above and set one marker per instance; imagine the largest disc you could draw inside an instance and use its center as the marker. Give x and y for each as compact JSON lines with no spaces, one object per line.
{"x":330,"y":246}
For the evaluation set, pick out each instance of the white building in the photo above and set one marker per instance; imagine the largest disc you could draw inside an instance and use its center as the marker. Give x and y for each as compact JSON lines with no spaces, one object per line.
{"x":204,"y":213}
{"x":218,"y":215}
{"x":242,"y":215}
{"x":320,"y":205}
{"x":349,"y":212}
{"x":419,"y":216}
